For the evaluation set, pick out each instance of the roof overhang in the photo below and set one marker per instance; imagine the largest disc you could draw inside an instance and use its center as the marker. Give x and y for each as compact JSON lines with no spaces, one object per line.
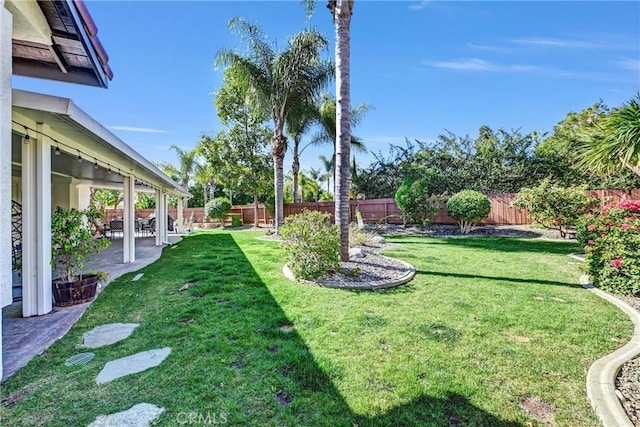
{"x":105,"y":158}
{"x":57,"y":40}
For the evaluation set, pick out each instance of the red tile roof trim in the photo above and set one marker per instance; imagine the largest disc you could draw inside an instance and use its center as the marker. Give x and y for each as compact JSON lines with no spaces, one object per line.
{"x":92,"y":29}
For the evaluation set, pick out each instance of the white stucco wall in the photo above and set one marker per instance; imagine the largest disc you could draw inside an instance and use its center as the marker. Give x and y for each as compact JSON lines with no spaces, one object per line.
{"x":6,"y":26}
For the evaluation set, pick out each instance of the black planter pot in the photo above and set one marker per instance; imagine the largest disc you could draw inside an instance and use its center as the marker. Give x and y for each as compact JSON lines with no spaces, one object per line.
{"x":82,"y":290}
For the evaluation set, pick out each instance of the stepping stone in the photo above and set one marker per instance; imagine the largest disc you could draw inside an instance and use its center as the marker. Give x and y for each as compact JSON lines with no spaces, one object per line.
{"x":132,"y":364}
{"x":107,"y":334}
{"x":140,"y":415}
{"x":137,"y":277}
{"x":378,"y":239}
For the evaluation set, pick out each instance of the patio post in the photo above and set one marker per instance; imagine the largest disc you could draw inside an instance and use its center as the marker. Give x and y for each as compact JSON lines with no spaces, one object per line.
{"x":128,"y":217}
{"x":178,"y":224}
{"x":36,"y":223}
{"x":159,"y":211}
{"x":6,"y":31}
{"x":164,"y":222}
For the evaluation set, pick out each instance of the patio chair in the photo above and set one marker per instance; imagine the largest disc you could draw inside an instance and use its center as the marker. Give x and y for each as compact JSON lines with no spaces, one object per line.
{"x":150,"y":226}
{"x":116,"y":225}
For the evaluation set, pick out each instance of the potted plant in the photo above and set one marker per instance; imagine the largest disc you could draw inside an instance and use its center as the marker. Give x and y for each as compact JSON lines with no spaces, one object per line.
{"x":72,"y":242}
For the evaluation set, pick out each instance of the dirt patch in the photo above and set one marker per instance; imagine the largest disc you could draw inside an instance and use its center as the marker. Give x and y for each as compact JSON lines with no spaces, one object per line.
{"x":273,"y":349}
{"x":284,"y":398}
{"x":16,"y":397}
{"x":538,"y":409}
{"x":286,"y":328}
{"x":186,"y":320}
{"x":519,"y":338}
{"x":239,"y":362}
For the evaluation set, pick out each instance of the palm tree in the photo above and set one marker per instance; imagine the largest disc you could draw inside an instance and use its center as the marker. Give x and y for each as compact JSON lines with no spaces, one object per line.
{"x":205,"y":176}
{"x":329,"y":170}
{"x":281,"y":81}
{"x":341,"y":12}
{"x":326,"y":118}
{"x":188,"y":162}
{"x":298,"y":123}
{"x":613,"y":142}
{"x":315,"y":175}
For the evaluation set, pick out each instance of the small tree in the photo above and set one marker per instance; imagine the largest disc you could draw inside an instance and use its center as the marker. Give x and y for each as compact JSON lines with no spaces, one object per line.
{"x":413,"y":199}
{"x":218,"y":208}
{"x":553,"y":206}
{"x":72,"y":240}
{"x":468,"y":207}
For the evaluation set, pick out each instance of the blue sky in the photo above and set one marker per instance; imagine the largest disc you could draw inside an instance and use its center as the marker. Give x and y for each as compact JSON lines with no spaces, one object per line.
{"x":425,"y":66}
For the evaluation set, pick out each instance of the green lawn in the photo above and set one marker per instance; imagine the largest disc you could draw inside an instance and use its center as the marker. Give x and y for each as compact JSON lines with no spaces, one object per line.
{"x":485,"y":323}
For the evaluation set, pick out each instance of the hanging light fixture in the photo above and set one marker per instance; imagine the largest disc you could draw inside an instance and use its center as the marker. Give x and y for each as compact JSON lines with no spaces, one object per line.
{"x":79,"y":158}
{"x":95,"y":165}
{"x":57,"y":150}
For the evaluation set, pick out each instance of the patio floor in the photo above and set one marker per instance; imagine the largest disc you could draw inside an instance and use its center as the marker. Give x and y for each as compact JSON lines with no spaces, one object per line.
{"x":24,"y":338}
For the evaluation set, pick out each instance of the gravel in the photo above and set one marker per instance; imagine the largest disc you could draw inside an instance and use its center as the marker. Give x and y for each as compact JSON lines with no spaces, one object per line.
{"x":628,"y":389}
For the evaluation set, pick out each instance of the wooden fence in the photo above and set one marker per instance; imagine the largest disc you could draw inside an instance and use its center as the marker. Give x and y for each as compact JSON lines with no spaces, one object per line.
{"x":379,"y":210}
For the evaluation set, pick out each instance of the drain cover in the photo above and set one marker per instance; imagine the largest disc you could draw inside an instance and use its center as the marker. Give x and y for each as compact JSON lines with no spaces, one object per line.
{"x":79,"y":359}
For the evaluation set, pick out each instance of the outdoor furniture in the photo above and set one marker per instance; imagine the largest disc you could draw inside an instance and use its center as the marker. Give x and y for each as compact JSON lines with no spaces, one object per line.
{"x":116,"y":226}
{"x":149,"y":226}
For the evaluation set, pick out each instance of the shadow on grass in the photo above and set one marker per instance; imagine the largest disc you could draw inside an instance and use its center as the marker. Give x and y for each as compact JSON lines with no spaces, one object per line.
{"x":274,"y":374}
{"x":234,"y":353}
{"x":500,"y":244}
{"x":501,"y":279}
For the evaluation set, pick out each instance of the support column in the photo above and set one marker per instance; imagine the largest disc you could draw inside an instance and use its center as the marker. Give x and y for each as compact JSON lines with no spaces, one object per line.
{"x":36,"y":224}
{"x":159,"y":211}
{"x":6,"y":30}
{"x":82,"y":195}
{"x":165,"y":213}
{"x":179,"y":224}
{"x":128,"y":217}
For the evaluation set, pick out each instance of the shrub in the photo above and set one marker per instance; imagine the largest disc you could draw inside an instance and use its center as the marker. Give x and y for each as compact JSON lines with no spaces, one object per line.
{"x":612,"y":244}
{"x":236,"y":220}
{"x":468,"y":207}
{"x":311,"y":244}
{"x":358,"y":236}
{"x":553,"y":206}
{"x":413,"y":199}
{"x":218,"y":208}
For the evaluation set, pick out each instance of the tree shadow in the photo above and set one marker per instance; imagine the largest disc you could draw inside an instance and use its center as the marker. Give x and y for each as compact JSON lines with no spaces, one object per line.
{"x":235,"y":355}
{"x":497,"y":278}
{"x":276,"y":376}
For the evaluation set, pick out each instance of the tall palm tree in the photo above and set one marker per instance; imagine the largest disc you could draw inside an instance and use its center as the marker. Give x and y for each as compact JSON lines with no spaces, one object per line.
{"x":341,"y":12}
{"x":326,"y":118}
{"x":282,"y":80}
{"x":187,"y":166}
{"x":613,"y":142}
{"x":298,"y":123}
{"x":315,"y":175}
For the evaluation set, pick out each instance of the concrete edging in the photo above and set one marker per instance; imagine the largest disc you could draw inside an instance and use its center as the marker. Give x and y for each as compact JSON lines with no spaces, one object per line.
{"x":602,"y":374}
{"x":368,"y":286}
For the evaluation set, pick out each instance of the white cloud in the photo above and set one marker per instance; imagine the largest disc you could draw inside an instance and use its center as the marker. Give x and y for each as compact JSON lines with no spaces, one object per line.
{"x":629,"y":64}
{"x":560,"y":43}
{"x":137,"y":129}
{"x":477,"y":64}
{"x":490,"y":48}
{"x":420,"y":5}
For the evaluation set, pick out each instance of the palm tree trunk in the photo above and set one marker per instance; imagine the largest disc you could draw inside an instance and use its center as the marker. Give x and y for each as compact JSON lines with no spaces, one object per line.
{"x":278,"y":149}
{"x":342,"y":17}
{"x":295,"y":169}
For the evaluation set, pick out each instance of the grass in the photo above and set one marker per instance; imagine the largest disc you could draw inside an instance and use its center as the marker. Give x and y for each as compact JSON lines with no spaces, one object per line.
{"x":486,"y":323}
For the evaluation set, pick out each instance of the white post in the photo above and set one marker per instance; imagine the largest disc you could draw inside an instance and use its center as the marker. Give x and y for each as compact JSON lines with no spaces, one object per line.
{"x":129,"y":231}
{"x":159,"y":211}
{"x":36,"y":224}
{"x":6,"y":30}
{"x":82,"y":194}
{"x":165,"y":213}
{"x":178,"y":224}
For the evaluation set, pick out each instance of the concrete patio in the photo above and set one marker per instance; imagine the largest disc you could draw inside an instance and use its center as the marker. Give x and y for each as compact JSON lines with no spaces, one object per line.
{"x":24,"y":338}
